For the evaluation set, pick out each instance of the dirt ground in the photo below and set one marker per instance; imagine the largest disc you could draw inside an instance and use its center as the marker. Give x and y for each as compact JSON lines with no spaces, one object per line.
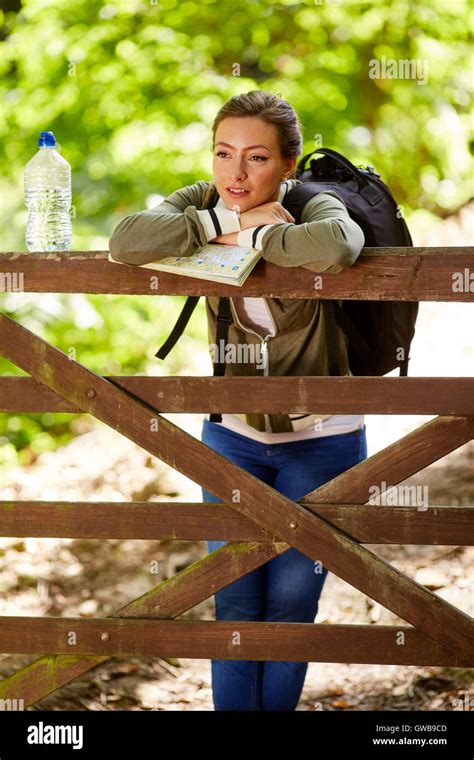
{"x":92,"y":578}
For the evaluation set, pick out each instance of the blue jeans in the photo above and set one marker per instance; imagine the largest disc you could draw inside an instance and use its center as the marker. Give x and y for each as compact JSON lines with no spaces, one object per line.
{"x":286,"y":588}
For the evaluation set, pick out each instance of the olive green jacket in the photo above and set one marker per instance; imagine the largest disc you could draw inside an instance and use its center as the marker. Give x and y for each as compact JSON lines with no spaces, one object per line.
{"x":326,"y":240}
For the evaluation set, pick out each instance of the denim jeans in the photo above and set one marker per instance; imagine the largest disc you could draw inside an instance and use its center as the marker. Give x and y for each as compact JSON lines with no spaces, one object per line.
{"x":286,"y":588}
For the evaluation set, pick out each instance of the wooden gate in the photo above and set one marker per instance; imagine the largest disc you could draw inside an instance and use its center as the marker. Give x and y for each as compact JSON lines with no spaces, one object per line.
{"x":331,"y":524}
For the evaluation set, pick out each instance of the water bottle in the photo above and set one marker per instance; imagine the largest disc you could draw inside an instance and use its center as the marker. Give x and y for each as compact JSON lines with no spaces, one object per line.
{"x":48,"y":197}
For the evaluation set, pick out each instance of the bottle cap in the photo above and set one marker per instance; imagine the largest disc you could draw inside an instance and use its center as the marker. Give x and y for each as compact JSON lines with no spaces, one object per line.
{"x":46,"y":140}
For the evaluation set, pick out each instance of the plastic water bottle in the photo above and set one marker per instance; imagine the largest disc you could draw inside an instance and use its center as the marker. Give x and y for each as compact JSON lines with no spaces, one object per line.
{"x":48,"y":197}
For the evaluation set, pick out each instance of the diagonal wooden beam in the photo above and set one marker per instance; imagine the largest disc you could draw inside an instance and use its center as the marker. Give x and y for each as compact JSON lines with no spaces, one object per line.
{"x":169,"y":599}
{"x":396,"y":462}
{"x":295,"y":525}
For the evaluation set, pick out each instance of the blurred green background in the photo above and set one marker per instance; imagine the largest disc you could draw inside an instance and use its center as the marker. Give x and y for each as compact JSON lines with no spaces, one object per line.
{"x":130,"y":90}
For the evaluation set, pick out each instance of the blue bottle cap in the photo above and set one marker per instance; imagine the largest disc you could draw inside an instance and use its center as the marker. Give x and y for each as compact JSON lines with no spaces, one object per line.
{"x":46,"y":140}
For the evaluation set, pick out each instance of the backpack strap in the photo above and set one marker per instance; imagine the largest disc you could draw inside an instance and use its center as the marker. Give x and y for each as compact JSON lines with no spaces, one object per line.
{"x":371,"y":194}
{"x":224,"y":318}
{"x":403,"y":368}
{"x":178,"y":329}
{"x":191,"y":301}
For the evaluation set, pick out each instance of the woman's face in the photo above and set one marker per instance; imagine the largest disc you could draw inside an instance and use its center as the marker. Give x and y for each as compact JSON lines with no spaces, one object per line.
{"x":247,"y":156}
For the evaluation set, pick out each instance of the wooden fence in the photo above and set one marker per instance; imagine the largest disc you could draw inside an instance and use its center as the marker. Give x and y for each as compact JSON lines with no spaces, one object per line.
{"x":331,"y":524}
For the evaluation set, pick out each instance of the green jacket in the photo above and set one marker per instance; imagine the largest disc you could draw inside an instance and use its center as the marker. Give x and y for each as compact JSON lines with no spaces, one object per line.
{"x":327,"y":240}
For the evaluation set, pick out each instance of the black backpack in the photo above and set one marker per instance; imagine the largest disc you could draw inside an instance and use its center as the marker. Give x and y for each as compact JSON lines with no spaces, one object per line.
{"x":376,"y":330}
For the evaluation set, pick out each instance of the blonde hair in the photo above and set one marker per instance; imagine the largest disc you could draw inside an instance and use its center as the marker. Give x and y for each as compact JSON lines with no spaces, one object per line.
{"x":271,"y":109}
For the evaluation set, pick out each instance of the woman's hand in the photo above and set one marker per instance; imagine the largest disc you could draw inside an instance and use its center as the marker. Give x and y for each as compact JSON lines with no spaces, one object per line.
{"x":267,"y":213}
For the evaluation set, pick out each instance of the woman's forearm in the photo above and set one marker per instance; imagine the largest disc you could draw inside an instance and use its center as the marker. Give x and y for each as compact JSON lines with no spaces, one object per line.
{"x":230,"y":238}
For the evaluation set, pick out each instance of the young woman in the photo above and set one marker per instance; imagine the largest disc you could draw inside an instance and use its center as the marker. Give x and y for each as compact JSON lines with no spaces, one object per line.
{"x":256,"y":142}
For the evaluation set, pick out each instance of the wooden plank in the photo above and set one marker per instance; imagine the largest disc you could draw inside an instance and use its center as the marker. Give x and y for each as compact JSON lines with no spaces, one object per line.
{"x":290,"y":395}
{"x":444,"y":526}
{"x":379,"y":274}
{"x":448,"y":526}
{"x":293,"y":524}
{"x":169,"y":599}
{"x":295,"y":642}
{"x":396,"y":462}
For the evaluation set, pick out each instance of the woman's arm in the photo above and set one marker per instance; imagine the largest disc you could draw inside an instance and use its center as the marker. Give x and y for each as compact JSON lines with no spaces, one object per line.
{"x":176,"y":227}
{"x":327,"y":240}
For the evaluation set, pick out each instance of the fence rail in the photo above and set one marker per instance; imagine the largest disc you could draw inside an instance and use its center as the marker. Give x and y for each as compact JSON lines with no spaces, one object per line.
{"x":380,"y":274}
{"x":331,"y":524}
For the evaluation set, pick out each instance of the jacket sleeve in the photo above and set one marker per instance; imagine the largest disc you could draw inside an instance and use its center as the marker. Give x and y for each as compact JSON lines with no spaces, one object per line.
{"x":327,"y":240}
{"x":176,"y":227}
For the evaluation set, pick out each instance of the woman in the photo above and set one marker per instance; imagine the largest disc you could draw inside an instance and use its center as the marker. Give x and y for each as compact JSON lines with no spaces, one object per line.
{"x":256,"y":142}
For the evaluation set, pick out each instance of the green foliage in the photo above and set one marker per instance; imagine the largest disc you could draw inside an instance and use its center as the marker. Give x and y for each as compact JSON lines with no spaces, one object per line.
{"x":111,"y":335}
{"x":131,"y":88}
